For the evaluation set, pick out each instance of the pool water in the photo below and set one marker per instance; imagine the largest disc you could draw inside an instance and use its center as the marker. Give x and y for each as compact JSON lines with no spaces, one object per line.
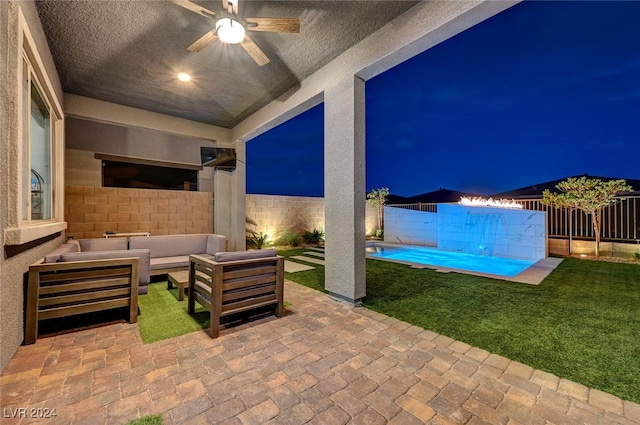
{"x":508,"y":267}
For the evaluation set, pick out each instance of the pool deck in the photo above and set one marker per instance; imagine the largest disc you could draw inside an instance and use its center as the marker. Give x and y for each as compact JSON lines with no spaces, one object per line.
{"x":323,"y":363}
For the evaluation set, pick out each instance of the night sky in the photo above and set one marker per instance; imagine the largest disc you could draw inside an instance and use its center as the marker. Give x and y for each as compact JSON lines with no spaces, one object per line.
{"x":542,"y":91}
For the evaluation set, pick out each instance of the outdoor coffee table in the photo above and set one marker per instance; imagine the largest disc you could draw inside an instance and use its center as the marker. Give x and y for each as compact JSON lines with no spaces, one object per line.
{"x":180,"y":279}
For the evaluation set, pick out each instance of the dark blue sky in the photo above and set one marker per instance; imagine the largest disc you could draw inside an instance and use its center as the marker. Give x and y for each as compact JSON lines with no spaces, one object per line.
{"x":542,"y":91}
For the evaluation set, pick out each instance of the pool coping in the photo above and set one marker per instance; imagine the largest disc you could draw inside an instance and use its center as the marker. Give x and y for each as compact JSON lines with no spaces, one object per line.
{"x":532,"y":275}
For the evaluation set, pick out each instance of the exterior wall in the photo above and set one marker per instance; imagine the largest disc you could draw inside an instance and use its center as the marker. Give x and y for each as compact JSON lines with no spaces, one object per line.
{"x":15,"y":260}
{"x":499,"y":232}
{"x":410,"y":227}
{"x":276,"y":214}
{"x":90,"y":211}
{"x":85,"y":138}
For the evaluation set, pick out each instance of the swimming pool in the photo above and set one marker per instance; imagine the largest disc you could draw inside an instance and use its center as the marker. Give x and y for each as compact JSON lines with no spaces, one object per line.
{"x":427,"y":256}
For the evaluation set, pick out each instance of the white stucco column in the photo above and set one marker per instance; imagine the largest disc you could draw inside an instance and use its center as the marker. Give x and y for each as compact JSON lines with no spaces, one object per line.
{"x":229,"y":204}
{"x":344,"y":191}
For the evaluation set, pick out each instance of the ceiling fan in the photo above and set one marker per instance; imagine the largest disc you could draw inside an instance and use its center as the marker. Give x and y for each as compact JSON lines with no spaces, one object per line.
{"x":231,"y":28}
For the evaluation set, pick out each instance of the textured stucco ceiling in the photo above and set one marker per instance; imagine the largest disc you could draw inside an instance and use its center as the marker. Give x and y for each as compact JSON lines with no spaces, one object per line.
{"x":129,"y":52}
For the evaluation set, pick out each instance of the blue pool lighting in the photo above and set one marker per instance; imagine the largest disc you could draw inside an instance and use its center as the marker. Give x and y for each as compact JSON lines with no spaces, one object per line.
{"x":427,"y":256}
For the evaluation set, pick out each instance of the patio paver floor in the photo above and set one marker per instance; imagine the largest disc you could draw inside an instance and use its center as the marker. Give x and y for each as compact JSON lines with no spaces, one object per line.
{"x":322,"y":363}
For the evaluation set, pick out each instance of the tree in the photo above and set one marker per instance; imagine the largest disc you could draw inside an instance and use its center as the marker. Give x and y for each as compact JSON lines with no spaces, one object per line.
{"x":589,"y":195}
{"x":377,"y":198}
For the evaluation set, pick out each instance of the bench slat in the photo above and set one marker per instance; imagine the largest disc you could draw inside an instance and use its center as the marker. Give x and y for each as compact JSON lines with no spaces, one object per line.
{"x":83,"y":297}
{"x":244,"y":283}
{"x":249,"y":304}
{"x":56,"y":276}
{"x":83,"y":286}
{"x":247,"y":271}
{"x":253,"y":292}
{"x":84,"y":308}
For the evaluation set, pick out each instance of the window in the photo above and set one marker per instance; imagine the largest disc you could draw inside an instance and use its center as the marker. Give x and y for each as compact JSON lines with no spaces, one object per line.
{"x":148,"y":176}
{"x":37,"y":150}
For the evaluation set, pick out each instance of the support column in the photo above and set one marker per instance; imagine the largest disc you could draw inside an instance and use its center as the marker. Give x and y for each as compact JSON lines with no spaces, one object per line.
{"x":344,"y":189}
{"x":229,"y":201}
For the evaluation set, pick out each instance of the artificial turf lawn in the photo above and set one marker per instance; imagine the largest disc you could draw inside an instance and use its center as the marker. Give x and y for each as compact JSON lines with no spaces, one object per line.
{"x":147,"y":420}
{"x":581,"y":323}
{"x":163,"y":316}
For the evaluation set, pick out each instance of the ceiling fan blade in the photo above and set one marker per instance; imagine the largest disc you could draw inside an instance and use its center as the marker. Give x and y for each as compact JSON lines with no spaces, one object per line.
{"x":273,"y":24}
{"x":204,"y":41}
{"x":195,"y":8}
{"x":254,"y":51}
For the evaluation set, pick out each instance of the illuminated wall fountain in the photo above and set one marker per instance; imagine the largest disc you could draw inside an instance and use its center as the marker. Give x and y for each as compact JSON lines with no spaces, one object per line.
{"x":474,"y":226}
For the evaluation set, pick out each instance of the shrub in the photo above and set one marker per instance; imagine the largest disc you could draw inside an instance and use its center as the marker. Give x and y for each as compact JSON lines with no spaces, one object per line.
{"x":258,"y":240}
{"x":291,"y":238}
{"x":313,"y":237}
{"x":637,"y":255}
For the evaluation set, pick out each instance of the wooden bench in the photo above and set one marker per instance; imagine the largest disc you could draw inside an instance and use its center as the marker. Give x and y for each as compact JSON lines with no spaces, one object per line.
{"x":64,"y":289}
{"x":225,"y":287}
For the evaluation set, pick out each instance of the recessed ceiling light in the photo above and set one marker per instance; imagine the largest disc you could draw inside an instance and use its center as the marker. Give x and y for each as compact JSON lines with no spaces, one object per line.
{"x":183,"y":76}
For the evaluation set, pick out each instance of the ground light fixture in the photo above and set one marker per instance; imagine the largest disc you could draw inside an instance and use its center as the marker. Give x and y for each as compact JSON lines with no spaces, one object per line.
{"x":230,"y":31}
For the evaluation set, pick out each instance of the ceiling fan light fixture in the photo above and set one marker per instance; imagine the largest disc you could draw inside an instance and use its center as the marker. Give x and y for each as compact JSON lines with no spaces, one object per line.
{"x":230,"y":31}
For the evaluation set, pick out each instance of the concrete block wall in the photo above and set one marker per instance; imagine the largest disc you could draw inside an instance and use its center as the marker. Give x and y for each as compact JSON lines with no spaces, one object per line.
{"x":275,"y":215}
{"x":91,"y":211}
{"x":561,"y":247}
{"x":410,"y":227}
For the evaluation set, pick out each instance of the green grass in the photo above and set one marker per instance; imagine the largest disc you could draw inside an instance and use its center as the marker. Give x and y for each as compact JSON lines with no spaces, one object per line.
{"x":581,"y":323}
{"x":147,"y":420}
{"x":310,"y":278}
{"x":163,"y":316}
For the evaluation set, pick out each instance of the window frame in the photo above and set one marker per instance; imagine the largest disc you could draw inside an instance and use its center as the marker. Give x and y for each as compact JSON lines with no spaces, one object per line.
{"x":21,"y":228}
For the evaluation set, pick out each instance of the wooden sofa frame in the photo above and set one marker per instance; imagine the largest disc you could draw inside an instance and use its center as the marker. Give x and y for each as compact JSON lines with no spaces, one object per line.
{"x":229,"y":287}
{"x":64,"y":289}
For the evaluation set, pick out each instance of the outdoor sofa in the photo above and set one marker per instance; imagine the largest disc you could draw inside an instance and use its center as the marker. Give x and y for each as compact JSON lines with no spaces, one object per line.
{"x":89,"y":275}
{"x":235,"y":282}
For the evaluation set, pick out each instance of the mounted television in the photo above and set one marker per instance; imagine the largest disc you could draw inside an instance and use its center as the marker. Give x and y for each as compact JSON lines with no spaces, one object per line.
{"x":221,"y":158}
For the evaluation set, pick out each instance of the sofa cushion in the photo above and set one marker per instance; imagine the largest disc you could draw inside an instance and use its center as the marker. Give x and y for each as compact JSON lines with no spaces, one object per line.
{"x":55,"y":255}
{"x":215,"y":244}
{"x":222,"y":257}
{"x":144,"y":276}
{"x":170,"y":245}
{"x":103,"y":244}
{"x":169,"y":262}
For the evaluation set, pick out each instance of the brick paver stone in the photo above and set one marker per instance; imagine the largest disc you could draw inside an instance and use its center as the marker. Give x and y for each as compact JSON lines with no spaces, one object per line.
{"x":322,"y":363}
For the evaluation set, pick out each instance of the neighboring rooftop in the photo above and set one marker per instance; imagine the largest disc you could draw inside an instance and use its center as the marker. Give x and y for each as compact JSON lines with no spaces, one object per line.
{"x":440,"y":196}
{"x":535,"y":191}
{"x":528,"y":192}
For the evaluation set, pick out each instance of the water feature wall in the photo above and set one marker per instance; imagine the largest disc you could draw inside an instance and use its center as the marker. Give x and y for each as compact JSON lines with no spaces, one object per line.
{"x":498,"y":232}
{"x":410,"y":227}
